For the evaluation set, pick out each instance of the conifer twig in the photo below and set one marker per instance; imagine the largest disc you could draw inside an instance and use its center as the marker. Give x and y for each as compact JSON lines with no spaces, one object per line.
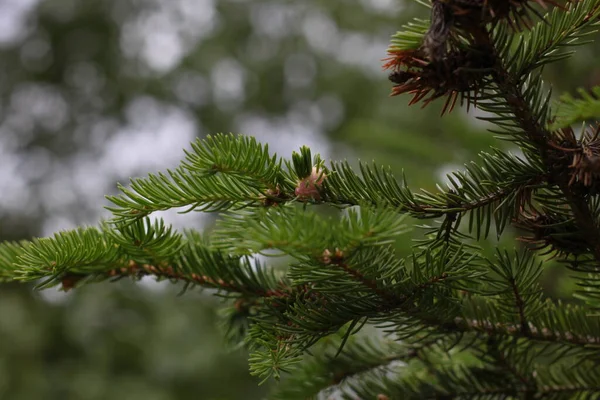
{"x":557,"y":166}
{"x":133,"y":269}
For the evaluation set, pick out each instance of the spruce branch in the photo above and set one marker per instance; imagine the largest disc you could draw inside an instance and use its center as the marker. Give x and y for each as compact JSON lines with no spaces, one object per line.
{"x":491,"y":192}
{"x":137,"y":271}
{"x":221,"y":172}
{"x":329,"y":373}
{"x":410,"y":310}
{"x":326,"y":370}
{"x":446,"y":382}
{"x":233,"y":155}
{"x":546,"y":42}
{"x":517,"y":286}
{"x":409,"y":37}
{"x":557,"y":324}
{"x":531,"y":115}
{"x":506,"y":359}
{"x":475,"y":382}
{"x":219,"y":175}
{"x":304,"y":234}
{"x":136,"y":250}
{"x":318,"y":311}
{"x":9,"y":257}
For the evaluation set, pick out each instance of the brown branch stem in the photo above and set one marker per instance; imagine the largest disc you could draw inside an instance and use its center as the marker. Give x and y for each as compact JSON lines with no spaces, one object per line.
{"x":133,"y":269}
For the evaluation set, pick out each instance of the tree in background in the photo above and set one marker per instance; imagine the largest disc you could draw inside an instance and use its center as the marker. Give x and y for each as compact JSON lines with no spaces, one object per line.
{"x":302,"y":167}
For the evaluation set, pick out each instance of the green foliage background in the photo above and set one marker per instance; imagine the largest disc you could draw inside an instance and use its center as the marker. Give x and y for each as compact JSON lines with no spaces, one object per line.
{"x":316,"y":61}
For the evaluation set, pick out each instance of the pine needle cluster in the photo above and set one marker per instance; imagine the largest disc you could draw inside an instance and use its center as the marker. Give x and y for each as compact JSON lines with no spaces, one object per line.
{"x":444,"y":322}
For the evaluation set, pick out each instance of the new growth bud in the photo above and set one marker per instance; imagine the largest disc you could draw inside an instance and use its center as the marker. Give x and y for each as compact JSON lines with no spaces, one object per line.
{"x":308,"y":188}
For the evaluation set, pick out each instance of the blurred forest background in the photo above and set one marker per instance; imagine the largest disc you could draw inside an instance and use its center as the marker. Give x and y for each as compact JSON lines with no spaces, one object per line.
{"x":94,"y":92}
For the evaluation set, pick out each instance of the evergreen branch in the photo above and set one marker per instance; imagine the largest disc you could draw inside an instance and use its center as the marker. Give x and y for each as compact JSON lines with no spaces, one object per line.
{"x":518,"y":56}
{"x":464,"y":327}
{"x":327,"y":370}
{"x":297,"y":315}
{"x":137,"y":271}
{"x":530,"y":114}
{"x":300,"y":234}
{"x":581,"y":381}
{"x":213,"y":180}
{"x":140,"y":249}
{"x":493,"y":191}
{"x":146,"y":241}
{"x":233,"y":155}
{"x":387,"y":295}
{"x":460,"y":382}
{"x":501,"y":356}
{"x":324,"y":306}
{"x":492,"y":376}
{"x":517,"y":287}
{"x":520,"y":107}
{"x":330,"y":301}
{"x":410,"y":36}
{"x":9,"y":257}
{"x":469,"y":382}
{"x":293,"y":325}
{"x":559,"y":324}
{"x":220,"y":173}
{"x":303,"y":234}
{"x":555,"y":331}
{"x":250,"y":276}
{"x":82,"y":249}
{"x":572,"y":109}
{"x":520,"y":306}
{"x":180,"y":189}
{"x":559,"y":30}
